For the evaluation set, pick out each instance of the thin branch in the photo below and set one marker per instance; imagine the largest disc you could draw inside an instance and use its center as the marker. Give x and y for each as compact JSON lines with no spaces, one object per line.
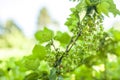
{"x":68,"y":48}
{"x":56,"y":49}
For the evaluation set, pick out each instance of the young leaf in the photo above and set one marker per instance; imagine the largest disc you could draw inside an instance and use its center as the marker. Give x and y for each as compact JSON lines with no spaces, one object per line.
{"x":32,"y":76}
{"x":82,"y":14}
{"x":81,"y":5}
{"x":62,"y":37}
{"x":113,"y":8}
{"x":32,"y":64}
{"x":92,"y":2}
{"x":44,"y":35}
{"x":39,"y":51}
{"x":106,"y":6}
{"x":82,"y":9}
{"x":103,"y":7}
{"x":115,"y":33}
{"x":44,"y":67}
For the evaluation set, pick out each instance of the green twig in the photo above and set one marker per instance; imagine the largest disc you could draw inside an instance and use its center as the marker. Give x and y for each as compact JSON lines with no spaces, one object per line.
{"x":68,"y":48}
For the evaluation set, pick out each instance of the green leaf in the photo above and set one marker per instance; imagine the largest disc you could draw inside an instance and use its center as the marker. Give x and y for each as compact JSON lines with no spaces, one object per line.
{"x":32,"y":76}
{"x":31,"y":64}
{"x":82,"y":14}
{"x":115,"y":33}
{"x":92,"y":2}
{"x":81,"y":5}
{"x":44,"y":35}
{"x":2,"y":73}
{"x":39,"y":52}
{"x":20,"y":64}
{"x":62,"y":37}
{"x":53,"y":75}
{"x":103,"y":7}
{"x":113,"y":8}
{"x":73,"y":9}
{"x":107,"y":6}
{"x":79,"y":72}
{"x":44,"y":67}
{"x":82,"y":9}
{"x":11,"y":63}
{"x":74,"y":0}
{"x":73,"y":20}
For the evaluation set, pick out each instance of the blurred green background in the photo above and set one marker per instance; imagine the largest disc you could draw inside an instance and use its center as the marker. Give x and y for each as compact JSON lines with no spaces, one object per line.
{"x":20,"y":19}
